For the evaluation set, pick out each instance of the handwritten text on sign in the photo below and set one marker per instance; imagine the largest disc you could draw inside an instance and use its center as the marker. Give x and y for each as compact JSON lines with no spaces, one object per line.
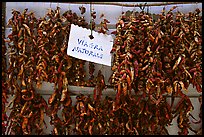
{"x":95,"y":50}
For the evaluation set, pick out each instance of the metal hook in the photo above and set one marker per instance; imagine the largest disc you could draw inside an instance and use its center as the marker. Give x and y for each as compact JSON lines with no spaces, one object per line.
{"x":69,"y":7}
{"x":122,"y":8}
{"x":196,"y":5}
{"x":44,"y":8}
{"x":142,"y":7}
{"x":134,"y":8}
{"x":25,"y":4}
{"x":103,"y":9}
{"x":50,"y":4}
{"x":177,"y":9}
{"x":147,"y":9}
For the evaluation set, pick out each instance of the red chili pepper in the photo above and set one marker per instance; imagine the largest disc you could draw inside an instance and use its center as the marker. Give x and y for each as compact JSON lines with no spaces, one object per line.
{"x":136,"y":68}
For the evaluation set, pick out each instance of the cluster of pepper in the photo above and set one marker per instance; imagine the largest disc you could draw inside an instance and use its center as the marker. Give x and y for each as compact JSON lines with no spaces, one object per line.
{"x":27,"y":111}
{"x":77,"y":69}
{"x":54,"y":29}
{"x":90,"y":114}
{"x":133,"y":68}
{"x":165,"y":57}
{"x":183,"y":58}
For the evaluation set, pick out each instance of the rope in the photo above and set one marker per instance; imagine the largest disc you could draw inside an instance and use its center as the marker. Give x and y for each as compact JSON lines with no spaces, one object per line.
{"x":91,"y":36}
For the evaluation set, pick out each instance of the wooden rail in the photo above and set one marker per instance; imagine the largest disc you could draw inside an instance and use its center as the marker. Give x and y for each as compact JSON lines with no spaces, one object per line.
{"x":133,"y":5}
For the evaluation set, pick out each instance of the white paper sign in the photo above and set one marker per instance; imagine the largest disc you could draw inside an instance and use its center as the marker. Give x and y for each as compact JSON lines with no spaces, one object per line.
{"x":95,"y":50}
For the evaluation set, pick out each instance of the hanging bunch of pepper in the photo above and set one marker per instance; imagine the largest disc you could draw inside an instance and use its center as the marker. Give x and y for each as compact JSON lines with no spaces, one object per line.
{"x":77,"y":68}
{"x":89,"y":113}
{"x":181,"y":54}
{"x":158,"y":57}
{"x":141,"y":75}
{"x":122,"y":68}
{"x":100,"y":80}
{"x":55,"y":28}
{"x":63,"y":67}
{"x":27,"y":111}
